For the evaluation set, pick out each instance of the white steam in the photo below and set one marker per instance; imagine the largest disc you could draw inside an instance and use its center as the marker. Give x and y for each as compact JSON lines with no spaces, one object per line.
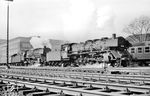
{"x":37,"y":42}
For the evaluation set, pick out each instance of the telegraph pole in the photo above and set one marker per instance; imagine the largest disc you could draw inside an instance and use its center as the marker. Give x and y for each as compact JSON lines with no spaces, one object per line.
{"x":7,"y":50}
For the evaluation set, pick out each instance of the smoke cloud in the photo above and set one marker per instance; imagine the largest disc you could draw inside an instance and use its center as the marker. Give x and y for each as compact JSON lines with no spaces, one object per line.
{"x":37,"y":42}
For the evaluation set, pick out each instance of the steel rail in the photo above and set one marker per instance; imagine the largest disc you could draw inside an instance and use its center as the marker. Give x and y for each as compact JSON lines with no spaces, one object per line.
{"x":101,"y":75}
{"x":92,"y":70}
{"x":108,"y":77}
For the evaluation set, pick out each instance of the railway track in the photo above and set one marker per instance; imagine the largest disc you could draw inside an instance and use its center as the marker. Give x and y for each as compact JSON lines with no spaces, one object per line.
{"x":88,"y":76}
{"x":60,"y":82}
{"x":67,"y":80}
{"x":73,"y":87}
{"x":129,"y":70}
{"x":119,"y":79}
{"x":96,"y":88}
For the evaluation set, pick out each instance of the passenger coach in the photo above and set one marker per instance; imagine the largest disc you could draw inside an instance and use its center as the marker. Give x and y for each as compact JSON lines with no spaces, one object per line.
{"x":140,"y":53}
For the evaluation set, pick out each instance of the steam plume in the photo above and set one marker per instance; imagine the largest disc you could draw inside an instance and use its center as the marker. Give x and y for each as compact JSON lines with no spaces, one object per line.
{"x":40,"y":42}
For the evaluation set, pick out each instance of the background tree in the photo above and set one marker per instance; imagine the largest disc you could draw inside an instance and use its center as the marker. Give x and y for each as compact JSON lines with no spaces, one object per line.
{"x":139,"y":28}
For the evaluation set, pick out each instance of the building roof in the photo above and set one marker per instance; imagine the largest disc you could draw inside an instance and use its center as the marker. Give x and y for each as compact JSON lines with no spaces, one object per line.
{"x":3,"y":41}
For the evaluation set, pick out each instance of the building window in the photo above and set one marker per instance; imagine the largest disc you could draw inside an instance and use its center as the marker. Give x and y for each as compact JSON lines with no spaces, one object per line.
{"x":147,"y":49}
{"x":139,"y":50}
{"x":132,"y":50}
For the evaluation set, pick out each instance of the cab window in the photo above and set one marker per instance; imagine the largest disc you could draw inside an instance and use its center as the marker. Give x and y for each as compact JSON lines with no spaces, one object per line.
{"x":139,"y":50}
{"x":147,"y":49}
{"x":132,"y":50}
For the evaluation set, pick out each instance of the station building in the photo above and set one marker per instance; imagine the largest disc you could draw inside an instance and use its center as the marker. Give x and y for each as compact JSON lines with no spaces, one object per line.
{"x":16,"y":45}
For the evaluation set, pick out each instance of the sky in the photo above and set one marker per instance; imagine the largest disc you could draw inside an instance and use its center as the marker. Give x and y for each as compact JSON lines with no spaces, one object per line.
{"x":72,"y":20}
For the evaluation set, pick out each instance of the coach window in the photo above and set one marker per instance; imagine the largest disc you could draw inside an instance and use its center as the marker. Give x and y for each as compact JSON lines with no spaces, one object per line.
{"x":139,"y":50}
{"x":132,"y":50}
{"x":147,"y":49}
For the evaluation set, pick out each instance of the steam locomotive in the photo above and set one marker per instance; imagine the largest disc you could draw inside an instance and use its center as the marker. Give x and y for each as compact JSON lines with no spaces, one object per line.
{"x":30,"y":57}
{"x":108,"y":50}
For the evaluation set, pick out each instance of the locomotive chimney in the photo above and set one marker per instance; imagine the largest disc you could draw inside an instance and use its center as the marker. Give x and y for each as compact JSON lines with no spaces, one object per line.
{"x":114,"y":36}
